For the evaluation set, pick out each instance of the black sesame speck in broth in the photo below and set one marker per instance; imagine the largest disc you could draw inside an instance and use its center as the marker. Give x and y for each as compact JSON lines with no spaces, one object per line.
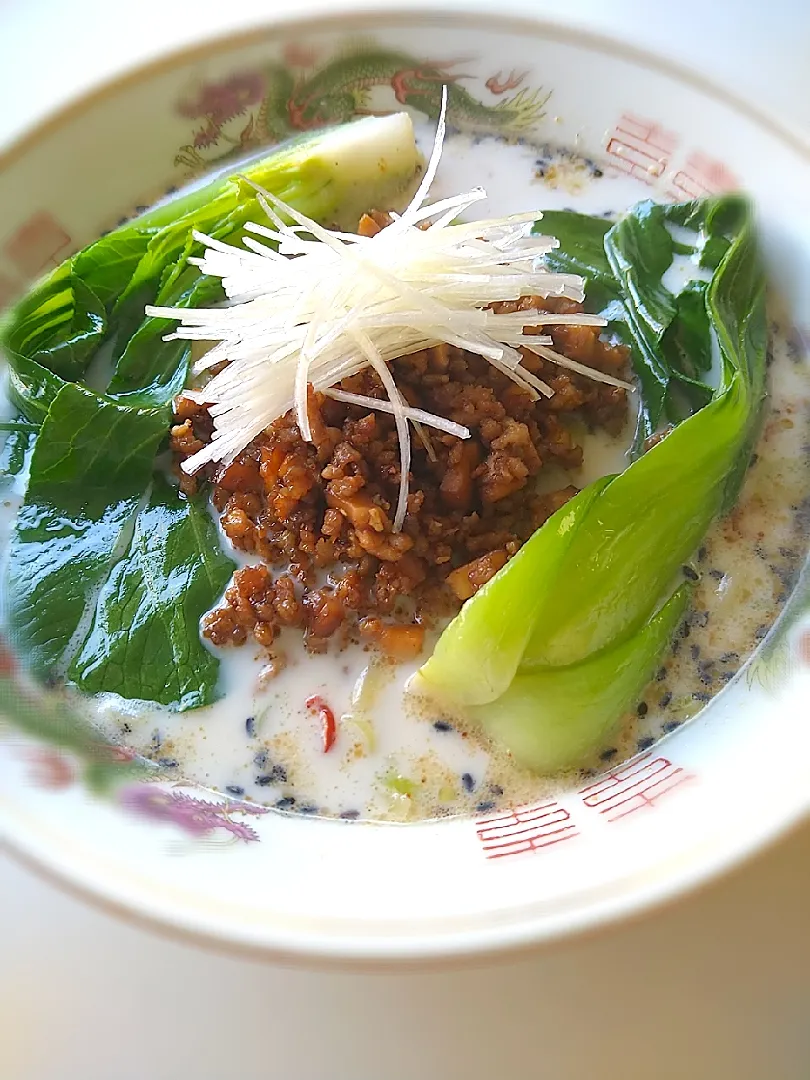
{"x":442,"y":725}
{"x":350,"y":815}
{"x":250,"y":727}
{"x":308,"y":808}
{"x":694,"y":651}
{"x":264,"y":779}
{"x":642,"y":708}
{"x":661,"y":674}
{"x":278,"y":774}
{"x":788,"y":575}
{"x":645,"y":743}
{"x":168,"y":762}
{"x":496,"y":789}
{"x":287,"y":803}
{"x":609,"y":754}
{"x":671,"y":725}
{"x":700,"y":695}
{"x":690,"y":574}
{"x":486,"y":805}
{"x":260,"y":758}
{"x":802,"y":512}
{"x":666,"y":700}
{"x":467,"y":781}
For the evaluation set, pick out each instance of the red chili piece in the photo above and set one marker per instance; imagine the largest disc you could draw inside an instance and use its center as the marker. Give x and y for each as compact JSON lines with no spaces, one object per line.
{"x":327,"y":717}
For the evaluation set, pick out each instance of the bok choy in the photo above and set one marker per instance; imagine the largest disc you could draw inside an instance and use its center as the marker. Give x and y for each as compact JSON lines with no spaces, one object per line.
{"x":111,"y":567}
{"x":556,"y":647}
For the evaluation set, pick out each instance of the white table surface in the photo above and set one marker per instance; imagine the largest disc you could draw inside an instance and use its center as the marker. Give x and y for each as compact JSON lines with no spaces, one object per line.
{"x":715,"y":987}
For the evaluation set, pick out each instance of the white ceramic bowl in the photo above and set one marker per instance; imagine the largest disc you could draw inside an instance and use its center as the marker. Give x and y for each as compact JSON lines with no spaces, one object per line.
{"x":709,"y":794}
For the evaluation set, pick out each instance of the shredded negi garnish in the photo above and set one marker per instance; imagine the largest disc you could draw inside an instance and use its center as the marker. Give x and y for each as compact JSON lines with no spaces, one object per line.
{"x":322,"y":305}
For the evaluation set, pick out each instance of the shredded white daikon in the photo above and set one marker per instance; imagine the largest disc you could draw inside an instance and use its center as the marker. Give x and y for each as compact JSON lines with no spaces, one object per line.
{"x":310,"y":305}
{"x":416,"y":416}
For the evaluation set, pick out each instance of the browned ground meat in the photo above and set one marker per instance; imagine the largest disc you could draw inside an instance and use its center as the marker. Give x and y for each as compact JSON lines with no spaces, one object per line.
{"x":322,"y":512}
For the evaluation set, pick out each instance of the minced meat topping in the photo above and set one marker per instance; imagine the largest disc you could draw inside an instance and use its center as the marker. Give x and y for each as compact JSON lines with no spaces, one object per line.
{"x":318,"y":515}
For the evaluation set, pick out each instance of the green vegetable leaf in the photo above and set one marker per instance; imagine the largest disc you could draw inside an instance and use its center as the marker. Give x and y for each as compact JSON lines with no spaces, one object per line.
{"x":108,"y":577}
{"x":99,"y":295}
{"x":687,"y":349}
{"x":687,"y":342}
{"x":639,"y":250}
{"x":152,"y":371}
{"x":31,"y":387}
{"x":735,"y":300}
{"x":581,"y":251}
{"x":551,"y":719}
{"x":585,"y":599}
{"x":490,"y":647}
{"x":667,"y":334}
{"x":108,"y":264}
{"x":60,"y":325}
{"x":332,"y":175}
{"x":113,"y":591}
{"x":57,"y":328}
{"x":90,"y":467}
{"x":643,"y":527}
{"x":143,"y":640}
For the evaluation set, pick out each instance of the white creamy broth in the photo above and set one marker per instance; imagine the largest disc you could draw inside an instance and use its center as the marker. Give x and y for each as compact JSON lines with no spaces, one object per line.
{"x":398,"y":760}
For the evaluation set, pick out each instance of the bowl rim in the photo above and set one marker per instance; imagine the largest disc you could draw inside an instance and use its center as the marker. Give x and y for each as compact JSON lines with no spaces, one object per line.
{"x":657,"y":888}
{"x":667,"y":884}
{"x":402,"y":11}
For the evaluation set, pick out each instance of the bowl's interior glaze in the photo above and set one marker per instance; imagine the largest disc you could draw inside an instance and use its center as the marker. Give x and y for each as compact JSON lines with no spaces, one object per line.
{"x":709,"y":792}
